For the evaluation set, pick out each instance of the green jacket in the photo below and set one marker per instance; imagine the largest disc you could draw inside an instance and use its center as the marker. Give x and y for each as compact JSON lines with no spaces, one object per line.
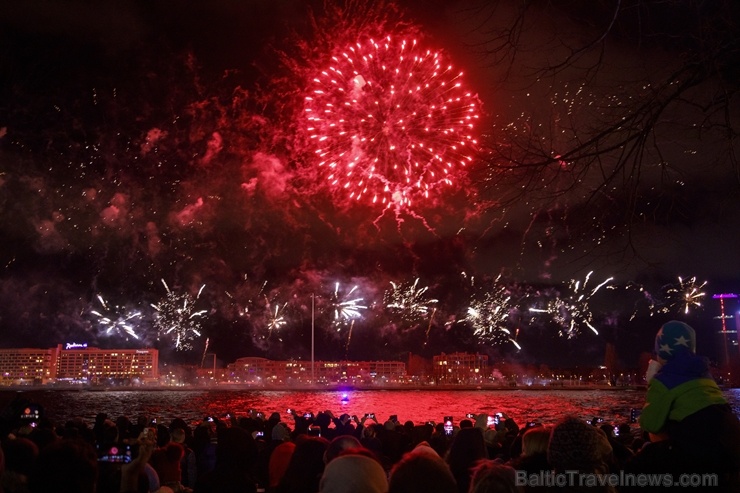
{"x":681,"y":387}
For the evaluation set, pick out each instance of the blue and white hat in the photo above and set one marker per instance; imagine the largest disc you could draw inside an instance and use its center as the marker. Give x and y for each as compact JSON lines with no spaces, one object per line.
{"x":674,"y":337}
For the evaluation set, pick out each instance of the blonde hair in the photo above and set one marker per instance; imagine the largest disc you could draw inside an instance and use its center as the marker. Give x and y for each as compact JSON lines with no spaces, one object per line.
{"x":535,"y":440}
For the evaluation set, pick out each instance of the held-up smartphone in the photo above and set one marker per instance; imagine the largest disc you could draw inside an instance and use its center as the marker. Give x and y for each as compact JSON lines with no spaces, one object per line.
{"x":31,"y":412}
{"x":492,"y":420}
{"x":634,"y":414}
{"x":448,"y":426}
{"x":470,"y":416}
{"x":118,"y":453}
{"x":370,"y":415}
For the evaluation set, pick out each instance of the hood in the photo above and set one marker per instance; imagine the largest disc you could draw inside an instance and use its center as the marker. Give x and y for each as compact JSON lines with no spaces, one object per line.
{"x":684,"y":366}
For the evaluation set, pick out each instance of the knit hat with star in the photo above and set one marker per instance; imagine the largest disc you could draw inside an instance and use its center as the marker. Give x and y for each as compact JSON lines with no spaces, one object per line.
{"x":674,"y":337}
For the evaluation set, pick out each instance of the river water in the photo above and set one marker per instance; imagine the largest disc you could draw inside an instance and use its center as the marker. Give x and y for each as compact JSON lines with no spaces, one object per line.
{"x":545,"y":406}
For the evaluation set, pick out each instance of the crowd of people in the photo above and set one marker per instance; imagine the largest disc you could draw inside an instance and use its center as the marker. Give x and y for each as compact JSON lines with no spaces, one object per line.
{"x":688,"y":437}
{"x":327,"y":453}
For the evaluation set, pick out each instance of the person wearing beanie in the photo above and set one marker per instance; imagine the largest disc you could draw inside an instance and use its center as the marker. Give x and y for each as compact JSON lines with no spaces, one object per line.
{"x":686,"y":411}
{"x":354,"y":473}
{"x":576,"y":445}
{"x":682,"y":384}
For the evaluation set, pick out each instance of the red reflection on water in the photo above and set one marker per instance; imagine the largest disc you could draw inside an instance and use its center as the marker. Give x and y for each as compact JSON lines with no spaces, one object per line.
{"x":424,"y":405}
{"x":419,"y":406}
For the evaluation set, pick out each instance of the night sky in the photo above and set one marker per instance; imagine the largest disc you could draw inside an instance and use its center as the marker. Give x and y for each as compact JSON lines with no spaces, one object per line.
{"x":160,"y":181}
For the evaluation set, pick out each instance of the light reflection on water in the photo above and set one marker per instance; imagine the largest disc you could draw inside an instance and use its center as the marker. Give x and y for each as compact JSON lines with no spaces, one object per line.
{"x":545,"y":406}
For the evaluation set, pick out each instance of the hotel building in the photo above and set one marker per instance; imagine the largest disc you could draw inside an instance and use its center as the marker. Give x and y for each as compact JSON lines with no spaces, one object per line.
{"x":77,"y":363}
{"x":27,"y":365}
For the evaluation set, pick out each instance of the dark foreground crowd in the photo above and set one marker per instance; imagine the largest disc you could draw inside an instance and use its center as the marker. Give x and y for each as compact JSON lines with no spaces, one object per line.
{"x":688,"y":438}
{"x":344,"y":454}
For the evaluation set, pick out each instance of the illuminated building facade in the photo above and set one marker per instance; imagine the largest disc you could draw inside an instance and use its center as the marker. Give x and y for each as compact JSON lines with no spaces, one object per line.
{"x":460,"y":368}
{"x":76,"y":363}
{"x":27,"y":365}
{"x":261,"y":370}
{"x":79,"y":362}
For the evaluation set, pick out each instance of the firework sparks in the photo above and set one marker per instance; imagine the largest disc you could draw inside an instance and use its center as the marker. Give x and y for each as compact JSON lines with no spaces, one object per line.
{"x":573,"y":311}
{"x":685,"y":295}
{"x":205,"y":351}
{"x":389,"y":122}
{"x":176,"y":316}
{"x":408,"y":300}
{"x":489,"y":314}
{"x":276,"y":317}
{"x":114,"y":322}
{"x":515,"y":343}
{"x":345,"y":307}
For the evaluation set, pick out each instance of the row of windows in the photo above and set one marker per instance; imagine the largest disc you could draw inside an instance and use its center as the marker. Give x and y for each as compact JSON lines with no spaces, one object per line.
{"x":22,"y":363}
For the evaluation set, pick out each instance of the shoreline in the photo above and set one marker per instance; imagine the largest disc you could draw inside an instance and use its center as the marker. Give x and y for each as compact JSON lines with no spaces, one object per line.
{"x":323,"y":388}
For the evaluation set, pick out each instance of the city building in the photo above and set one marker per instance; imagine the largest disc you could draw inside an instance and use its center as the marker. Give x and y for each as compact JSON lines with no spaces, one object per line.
{"x":26,"y":366}
{"x":456,"y":368}
{"x":260,"y":370}
{"x":77,"y":362}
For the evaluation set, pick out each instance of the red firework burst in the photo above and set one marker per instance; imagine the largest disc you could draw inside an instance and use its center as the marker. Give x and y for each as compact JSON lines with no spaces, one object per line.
{"x":389,"y":122}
